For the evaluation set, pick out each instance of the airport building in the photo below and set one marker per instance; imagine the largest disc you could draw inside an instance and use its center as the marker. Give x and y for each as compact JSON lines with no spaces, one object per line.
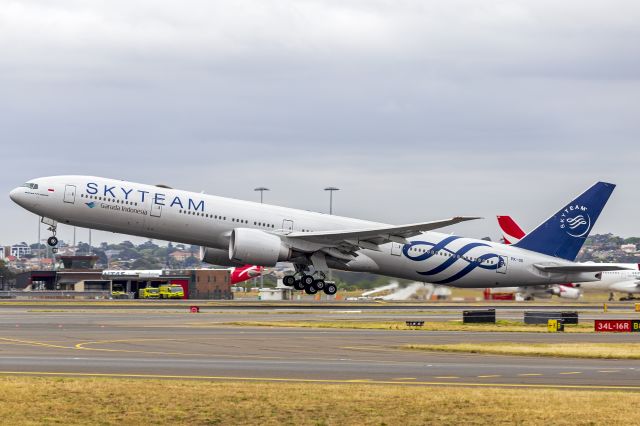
{"x":20,"y":250}
{"x":196,"y":283}
{"x":79,"y":278}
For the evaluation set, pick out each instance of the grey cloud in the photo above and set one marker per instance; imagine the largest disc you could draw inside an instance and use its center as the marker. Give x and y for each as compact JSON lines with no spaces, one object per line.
{"x":418,"y":110}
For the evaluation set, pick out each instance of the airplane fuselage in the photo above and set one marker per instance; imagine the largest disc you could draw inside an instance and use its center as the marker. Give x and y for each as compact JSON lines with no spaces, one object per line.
{"x":163,"y":213}
{"x":619,"y":281}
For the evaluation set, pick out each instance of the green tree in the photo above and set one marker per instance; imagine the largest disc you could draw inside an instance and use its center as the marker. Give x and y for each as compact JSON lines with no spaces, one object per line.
{"x":5,"y":272}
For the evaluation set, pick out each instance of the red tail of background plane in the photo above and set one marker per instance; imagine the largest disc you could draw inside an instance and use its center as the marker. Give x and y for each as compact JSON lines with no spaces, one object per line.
{"x":511,"y":232}
{"x":245,"y":273}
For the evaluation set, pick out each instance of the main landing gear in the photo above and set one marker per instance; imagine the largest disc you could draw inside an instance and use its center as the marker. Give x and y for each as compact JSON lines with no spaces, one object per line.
{"x":310,"y":284}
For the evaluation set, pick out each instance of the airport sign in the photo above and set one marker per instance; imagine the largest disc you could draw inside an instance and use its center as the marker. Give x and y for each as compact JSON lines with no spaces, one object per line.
{"x":617,"y":326}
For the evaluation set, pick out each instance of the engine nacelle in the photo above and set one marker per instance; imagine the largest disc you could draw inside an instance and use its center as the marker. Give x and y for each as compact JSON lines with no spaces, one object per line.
{"x":215,"y":256}
{"x":566,"y":292}
{"x":255,"y":247}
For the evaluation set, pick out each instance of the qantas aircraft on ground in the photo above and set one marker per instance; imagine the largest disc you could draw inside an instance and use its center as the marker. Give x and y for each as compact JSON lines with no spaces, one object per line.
{"x":244,"y":273}
{"x":236,"y":233}
{"x":619,"y":281}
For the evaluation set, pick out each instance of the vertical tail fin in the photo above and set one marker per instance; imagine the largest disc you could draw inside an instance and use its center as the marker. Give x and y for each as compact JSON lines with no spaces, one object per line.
{"x":564,"y":233}
{"x":511,"y":231}
{"x":245,"y":273}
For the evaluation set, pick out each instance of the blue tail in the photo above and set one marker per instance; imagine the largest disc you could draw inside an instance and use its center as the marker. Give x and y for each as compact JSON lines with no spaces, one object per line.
{"x":564,"y":233}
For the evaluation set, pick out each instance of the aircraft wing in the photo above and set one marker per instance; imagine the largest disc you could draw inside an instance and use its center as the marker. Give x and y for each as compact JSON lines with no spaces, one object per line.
{"x":370,"y":238}
{"x":579,"y":267}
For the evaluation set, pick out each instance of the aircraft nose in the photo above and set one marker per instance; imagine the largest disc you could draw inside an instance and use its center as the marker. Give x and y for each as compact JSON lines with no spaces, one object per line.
{"x":15,"y":195}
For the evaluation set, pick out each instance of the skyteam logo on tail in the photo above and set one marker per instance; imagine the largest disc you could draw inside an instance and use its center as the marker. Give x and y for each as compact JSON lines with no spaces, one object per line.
{"x":91,"y":205}
{"x":575,"y":221}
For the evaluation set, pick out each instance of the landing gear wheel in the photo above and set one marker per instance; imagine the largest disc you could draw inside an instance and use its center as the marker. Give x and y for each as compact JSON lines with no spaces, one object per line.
{"x":52,"y":241}
{"x":306,"y":280}
{"x":330,"y":289}
{"x":310,"y":289}
{"x":289,"y":280}
{"x":319,"y":284}
{"x":298,"y":285}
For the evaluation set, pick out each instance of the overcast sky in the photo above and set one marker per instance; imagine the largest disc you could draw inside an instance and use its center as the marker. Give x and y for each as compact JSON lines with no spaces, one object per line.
{"x":417,"y":110}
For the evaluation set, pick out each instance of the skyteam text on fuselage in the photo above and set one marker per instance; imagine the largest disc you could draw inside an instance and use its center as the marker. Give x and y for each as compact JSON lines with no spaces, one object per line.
{"x":234,"y":232}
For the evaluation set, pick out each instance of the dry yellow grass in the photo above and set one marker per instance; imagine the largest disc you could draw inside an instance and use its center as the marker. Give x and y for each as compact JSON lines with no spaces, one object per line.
{"x":501,"y":325}
{"x":567,"y":350}
{"x":71,"y":401}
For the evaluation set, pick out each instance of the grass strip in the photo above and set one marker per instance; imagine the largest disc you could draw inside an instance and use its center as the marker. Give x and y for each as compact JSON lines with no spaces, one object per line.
{"x":104,"y":401}
{"x":565,"y":350}
{"x":499,"y":326}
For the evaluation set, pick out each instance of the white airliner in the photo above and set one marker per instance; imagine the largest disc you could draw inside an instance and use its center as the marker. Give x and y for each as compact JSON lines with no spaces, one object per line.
{"x":236,"y":233}
{"x":626,"y":281}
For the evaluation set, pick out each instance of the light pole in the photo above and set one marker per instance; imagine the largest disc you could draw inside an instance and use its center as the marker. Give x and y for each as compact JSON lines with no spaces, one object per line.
{"x":261,"y":189}
{"x":39,"y":247}
{"x":331,"y":189}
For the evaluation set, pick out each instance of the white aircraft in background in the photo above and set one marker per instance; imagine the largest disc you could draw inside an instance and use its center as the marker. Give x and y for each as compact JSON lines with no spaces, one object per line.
{"x":236,"y":233}
{"x":624,"y":281}
{"x":388,"y":288}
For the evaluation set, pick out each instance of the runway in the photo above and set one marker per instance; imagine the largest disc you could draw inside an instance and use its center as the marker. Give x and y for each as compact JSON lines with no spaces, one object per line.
{"x":174,"y":344}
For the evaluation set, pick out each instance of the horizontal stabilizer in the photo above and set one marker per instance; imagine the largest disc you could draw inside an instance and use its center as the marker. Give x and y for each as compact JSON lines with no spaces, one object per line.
{"x":578,"y":267}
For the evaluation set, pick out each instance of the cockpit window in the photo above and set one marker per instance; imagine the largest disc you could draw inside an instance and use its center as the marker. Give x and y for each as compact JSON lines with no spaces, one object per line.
{"x":30,"y":185}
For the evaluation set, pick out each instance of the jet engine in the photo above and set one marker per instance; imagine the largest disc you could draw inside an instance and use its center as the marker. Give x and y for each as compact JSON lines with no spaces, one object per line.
{"x":255,"y":247}
{"x":566,"y":292}
{"x":215,"y":256}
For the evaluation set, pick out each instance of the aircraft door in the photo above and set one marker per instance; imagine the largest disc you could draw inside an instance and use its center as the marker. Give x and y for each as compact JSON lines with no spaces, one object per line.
{"x":287,"y":225}
{"x":156,"y":209}
{"x":396,"y":249}
{"x":502,"y":264}
{"x":70,"y":194}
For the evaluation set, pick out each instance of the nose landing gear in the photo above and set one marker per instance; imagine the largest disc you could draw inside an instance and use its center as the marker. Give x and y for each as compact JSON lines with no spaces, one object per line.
{"x":52,"y":241}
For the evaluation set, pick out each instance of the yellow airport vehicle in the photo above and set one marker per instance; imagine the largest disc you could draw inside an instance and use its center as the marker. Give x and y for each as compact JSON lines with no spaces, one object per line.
{"x":118,"y":294}
{"x":171,"y":291}
{"x":149,"y":293}
{"x":555,"y":325}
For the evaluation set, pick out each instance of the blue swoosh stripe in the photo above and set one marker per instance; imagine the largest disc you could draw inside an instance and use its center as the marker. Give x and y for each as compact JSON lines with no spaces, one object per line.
{"x":470,"y":267}
{"x":450,"y":261}
{"x":435,"y":247}
{"x":456,"y":255}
